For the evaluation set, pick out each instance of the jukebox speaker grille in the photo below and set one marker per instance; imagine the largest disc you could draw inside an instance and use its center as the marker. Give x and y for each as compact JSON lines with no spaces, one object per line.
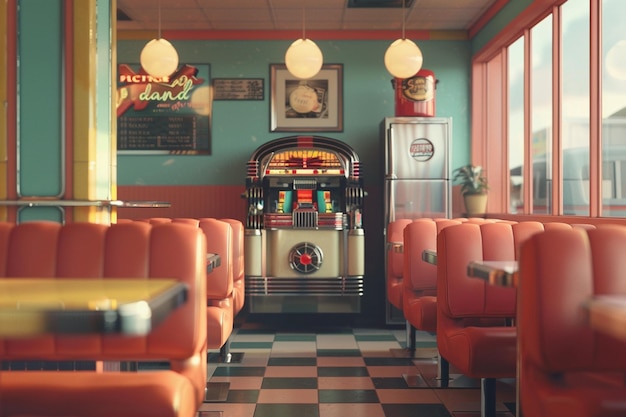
{"x":305,"y":257}
{"x":305,"y":219}
{"x":304,"y":184}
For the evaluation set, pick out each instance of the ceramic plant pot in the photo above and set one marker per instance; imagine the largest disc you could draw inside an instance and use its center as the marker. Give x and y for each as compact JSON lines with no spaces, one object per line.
{"x":475,"y":204}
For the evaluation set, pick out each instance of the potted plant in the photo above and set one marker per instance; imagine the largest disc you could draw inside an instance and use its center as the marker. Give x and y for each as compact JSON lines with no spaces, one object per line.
{"x":473,"y":188}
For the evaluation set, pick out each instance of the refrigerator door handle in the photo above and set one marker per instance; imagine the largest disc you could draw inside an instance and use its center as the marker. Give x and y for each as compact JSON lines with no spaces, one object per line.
{"x":390,"y":206}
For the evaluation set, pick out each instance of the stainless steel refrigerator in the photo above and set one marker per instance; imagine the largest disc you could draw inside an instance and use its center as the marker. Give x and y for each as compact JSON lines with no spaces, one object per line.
{"x":417,"y":172}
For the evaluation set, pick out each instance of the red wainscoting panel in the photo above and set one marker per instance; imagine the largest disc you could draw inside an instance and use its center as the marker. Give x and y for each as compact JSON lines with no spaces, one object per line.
{"x":196,"y":201}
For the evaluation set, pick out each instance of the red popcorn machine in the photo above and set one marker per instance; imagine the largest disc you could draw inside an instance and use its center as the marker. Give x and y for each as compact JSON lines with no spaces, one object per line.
{"x":304,"y":241}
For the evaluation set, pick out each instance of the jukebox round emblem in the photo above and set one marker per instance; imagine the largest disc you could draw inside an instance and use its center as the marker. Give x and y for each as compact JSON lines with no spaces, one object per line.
{"x":422,"y":149}
{"x":305,"y":257}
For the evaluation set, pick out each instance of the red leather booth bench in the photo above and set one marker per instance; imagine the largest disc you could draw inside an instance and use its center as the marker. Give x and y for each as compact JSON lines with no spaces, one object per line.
{"x":226,"y":285}
{"x":134,"y":251}
{"x":567,"y":367}
{"x":474,"y":320}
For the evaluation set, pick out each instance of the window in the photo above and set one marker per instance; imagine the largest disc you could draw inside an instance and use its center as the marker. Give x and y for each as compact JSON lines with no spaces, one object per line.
{"x":571,"y":136}
{"x":575,"y":106}
{"x":541,"y":114}
{"x":515,"y":125}
{"x":613,"y":70}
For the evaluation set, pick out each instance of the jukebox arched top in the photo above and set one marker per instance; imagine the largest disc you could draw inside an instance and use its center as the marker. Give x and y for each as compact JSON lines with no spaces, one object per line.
{"x":306,"y":182}
{"x":304,"y":155}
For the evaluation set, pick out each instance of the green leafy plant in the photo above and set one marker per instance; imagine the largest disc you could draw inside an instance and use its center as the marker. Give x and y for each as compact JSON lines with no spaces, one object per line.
{"x":471,"y":179}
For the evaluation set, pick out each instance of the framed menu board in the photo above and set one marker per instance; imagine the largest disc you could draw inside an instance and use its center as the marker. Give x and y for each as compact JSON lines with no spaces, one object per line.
{"x":164,"y":114}
{"x":238,"y":89}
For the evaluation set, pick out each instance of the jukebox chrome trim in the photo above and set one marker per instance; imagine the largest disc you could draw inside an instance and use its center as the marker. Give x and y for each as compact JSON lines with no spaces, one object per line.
{"x":306,"y":258}
{"x":304,"y":242}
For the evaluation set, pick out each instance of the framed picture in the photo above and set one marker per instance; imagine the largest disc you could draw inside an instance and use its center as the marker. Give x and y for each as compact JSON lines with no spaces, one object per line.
{"x":166,"y":115}
{"x":313,"y":105}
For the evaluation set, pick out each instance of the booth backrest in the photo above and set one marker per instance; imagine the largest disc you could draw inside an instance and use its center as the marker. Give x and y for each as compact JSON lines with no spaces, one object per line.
{"x":420,"y":278}
{"x":130,"y":250}
{"x":459,"y":296}
{"x":421,"y":235}
{"x":561,"y":270}
{"x":220,"y":294}
{"x":566,"y":367}
{"x":395,"y":260}
{"x":239,"y":294}
{"x":463,"y":297}
{"x":395,"y":257}
{"x":219,"y":240}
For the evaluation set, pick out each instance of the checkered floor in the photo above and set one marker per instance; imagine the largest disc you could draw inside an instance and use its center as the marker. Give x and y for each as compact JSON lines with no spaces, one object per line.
{"x":297,"y":368}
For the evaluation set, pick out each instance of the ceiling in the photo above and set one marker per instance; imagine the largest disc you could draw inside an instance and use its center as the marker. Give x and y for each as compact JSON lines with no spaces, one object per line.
{"x":327,"y":15}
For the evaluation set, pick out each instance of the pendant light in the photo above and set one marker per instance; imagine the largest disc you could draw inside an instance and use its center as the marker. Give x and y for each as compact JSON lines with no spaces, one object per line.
{"x":159,"y":58}
{"x":304,"y":58}
{"x":403,"y":58}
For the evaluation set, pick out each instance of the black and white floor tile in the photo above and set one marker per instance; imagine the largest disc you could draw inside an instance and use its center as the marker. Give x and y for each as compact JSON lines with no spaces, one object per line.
{"x":303,"y":368}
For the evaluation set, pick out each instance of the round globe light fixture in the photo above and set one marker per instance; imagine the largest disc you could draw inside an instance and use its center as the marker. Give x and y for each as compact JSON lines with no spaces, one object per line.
{"x":403,"y":58}
{"x":304,"y":59}
{"x":159,"y":58}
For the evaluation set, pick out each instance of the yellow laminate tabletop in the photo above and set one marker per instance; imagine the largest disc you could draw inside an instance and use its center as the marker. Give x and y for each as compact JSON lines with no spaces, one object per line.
{"x":35,"y":306}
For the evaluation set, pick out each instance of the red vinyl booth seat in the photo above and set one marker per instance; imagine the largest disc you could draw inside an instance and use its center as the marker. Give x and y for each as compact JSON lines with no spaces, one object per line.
{"x":472,"y":315}
{"x":239,"y":285}
{"x":420,"y":283}
{"x":395,"y":261}
{"x":395,"y":257}
{"x":568,"y":369}
{"x":219,"y":240}
{"x":472,"y":331}
{"x":220,"y":284}
{"x":94,"y":251}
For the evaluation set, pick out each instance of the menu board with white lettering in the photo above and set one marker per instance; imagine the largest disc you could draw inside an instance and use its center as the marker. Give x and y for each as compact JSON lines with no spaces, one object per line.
{"x":238,"y":89}
{"x":164,"y":114}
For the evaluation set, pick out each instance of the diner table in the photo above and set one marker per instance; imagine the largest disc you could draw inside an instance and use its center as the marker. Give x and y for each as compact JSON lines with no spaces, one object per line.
{"x":430,"y":256}
{"x":54,"y":202}
{"x":397,"y":247}
{"x":503,"y":273}
{"x":607,"y":314}
{"x":213,"y":261}
{"x":35,"y":306}
{"x":604,"y":313}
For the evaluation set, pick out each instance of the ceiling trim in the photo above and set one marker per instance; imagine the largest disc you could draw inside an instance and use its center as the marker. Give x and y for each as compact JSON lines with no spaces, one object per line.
{"x":265,"y":35}
{"x":486,"y":17}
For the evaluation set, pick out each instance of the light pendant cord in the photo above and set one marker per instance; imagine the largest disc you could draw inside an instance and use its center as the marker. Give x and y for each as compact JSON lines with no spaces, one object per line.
{"x":403,"y":20}
{"x":303,"y":19}
{"x":159,"y":12}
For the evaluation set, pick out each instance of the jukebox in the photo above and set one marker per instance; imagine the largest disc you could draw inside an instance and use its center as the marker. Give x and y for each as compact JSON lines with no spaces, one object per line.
{"x":304,"y":240}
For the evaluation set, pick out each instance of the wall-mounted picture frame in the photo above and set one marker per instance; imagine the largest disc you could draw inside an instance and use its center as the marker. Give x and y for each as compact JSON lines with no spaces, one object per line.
{"x":313,"y":105}
{"x":164,"y":115}
{"x":238,"y":88}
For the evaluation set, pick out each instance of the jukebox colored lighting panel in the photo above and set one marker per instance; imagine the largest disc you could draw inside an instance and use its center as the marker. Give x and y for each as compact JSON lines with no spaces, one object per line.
{"x":305,"y":196}
{"x":305,"y":162}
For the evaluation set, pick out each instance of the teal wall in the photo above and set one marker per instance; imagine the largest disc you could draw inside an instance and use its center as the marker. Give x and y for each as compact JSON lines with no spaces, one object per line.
{"x":239,"y":127}
{"x":40,"y":148}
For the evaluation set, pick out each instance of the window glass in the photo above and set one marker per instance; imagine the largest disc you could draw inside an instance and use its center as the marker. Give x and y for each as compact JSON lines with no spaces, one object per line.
{"x":515,"y":121}
{"x":575,"y":106}
{"x":613,"y":63}
{"x":541,"y":115}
